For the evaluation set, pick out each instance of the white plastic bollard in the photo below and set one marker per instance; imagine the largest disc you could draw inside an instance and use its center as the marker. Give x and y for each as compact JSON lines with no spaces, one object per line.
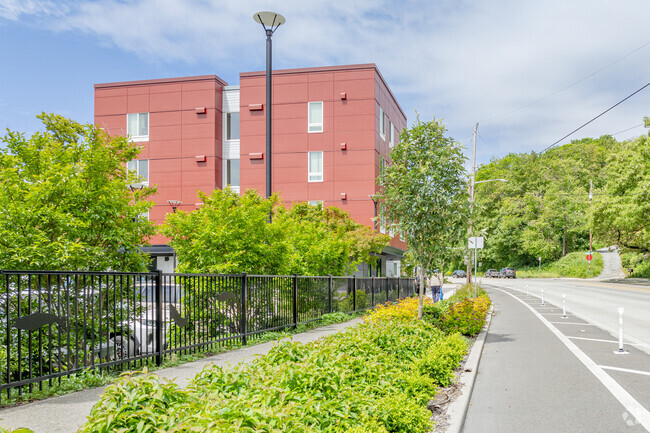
{"x":542,"y":297}
{"x":564,"y":306}
{"x":620,"y":350}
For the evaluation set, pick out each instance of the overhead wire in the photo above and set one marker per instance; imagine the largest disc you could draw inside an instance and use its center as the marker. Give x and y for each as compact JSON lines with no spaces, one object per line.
{"x":601,"y":114}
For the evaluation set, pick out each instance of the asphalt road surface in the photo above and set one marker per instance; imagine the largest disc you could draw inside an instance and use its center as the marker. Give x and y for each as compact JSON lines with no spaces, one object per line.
{"x":543,"y":372}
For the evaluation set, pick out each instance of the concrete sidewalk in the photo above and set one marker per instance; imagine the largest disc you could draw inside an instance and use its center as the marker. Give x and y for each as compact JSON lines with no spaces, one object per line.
{"x":65,"y":414}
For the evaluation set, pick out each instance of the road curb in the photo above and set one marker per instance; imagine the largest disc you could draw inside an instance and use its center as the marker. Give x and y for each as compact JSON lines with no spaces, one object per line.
{"x":457,"y":409}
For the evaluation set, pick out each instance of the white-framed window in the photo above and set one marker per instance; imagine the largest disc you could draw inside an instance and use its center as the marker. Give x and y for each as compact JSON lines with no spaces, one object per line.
{"x":391,"y":134}
{"x":317,"y":203}
{"x":232,"y":126}
{"x":141,"y":168}
{"x":232,"y":172}
{"x":137,"y":126}
{"x":382,"y":123}
{"x":315,"y":167}
{"x":315,"y":116}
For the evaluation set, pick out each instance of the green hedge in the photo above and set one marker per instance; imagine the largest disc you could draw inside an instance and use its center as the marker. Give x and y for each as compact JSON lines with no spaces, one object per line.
{"x":375,"y":377}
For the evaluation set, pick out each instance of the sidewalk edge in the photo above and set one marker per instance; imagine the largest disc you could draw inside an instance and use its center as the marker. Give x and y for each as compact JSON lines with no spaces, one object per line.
{"x":457,"y":410}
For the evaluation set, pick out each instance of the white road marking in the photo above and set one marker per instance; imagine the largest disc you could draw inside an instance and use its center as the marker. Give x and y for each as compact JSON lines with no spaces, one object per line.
{"x":572,"y":323}
{"x":606,"y":341}
{"x":630,"y":403}
{"x":625,"y":370}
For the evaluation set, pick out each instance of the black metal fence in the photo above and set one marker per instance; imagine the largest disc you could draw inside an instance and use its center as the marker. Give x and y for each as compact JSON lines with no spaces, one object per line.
{"x":53,"y":324}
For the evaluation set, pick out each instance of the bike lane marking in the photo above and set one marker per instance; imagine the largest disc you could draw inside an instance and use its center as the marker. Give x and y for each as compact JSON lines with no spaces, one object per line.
{"x":635,"y":408}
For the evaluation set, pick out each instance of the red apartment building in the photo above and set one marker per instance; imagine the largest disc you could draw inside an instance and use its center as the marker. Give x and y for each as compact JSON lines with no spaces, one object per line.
{"x":333,"y":128}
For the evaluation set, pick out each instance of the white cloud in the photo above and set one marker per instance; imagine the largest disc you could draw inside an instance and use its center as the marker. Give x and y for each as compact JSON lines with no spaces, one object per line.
{"x":464,"y":61}
{"x":14,"y":9}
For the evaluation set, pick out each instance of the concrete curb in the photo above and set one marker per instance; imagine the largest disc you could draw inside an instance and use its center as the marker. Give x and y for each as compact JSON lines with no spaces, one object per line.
{"x":457,"y":409}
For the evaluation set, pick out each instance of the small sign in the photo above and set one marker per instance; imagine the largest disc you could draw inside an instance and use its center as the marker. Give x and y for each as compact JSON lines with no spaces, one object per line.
{"x":589,"y":257}
{"x":476,"y":243}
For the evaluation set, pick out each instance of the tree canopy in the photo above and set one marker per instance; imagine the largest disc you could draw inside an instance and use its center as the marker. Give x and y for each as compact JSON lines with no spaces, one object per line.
{"x":65,"y":199}
{"x":424,"y":192}
{"x":545,"y":209}
{"x":230,"y":233}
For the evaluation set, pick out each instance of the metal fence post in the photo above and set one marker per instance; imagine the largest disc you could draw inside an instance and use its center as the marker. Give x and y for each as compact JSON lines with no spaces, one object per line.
{"x":159,"y":318}
{"x":329,"y":294}
{"x":243,"y":306}
{"x":387,"y":287}
{"x":354,"y":293}
{"x":399,"y":281}
{"x":372,"y":291}
{"x":295,"y":301}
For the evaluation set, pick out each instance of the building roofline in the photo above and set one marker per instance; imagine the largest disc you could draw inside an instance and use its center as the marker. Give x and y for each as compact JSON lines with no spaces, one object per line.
{"x":328,"y":69}
{"x":162,"y":81}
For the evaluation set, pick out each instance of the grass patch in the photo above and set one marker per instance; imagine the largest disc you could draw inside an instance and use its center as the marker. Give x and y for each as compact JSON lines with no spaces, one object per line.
{"x":573,"y":265}
{"x":638,"y":262}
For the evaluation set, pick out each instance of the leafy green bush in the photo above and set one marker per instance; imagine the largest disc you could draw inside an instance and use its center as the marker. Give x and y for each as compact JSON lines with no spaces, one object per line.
{"x":639,"y":263}
{"x":442,"y":358}
{"x":573,"y":265}
{"x":466,"y":316}
{"x":367,"y":379}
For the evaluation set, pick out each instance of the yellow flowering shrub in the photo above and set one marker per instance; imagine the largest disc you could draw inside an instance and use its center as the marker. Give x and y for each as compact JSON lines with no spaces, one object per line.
{"x":404,"y":309}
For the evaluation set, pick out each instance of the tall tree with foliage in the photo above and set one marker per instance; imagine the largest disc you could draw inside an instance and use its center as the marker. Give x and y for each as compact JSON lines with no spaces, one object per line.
{"x":424,"y":192}
{"x":65,"y":199}
{"x":231,"y":234}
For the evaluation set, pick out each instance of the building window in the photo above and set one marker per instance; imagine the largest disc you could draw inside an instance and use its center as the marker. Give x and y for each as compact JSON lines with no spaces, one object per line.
{"x":382,"y":123}
{"x":232,"y":126}
{"x":137,"y":126}
{"x":315,"y":167}
{"x":391,"y":134}
{"x":317,"y":203}
{"x":139,"y":167}
{"x":315,"y":122}
{"x":232,"y":172}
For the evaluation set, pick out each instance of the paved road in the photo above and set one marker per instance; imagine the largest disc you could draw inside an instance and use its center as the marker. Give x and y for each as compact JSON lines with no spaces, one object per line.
{"x":543,"y":373}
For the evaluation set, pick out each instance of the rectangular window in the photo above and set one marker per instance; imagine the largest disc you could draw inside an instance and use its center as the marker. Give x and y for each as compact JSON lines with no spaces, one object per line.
{"x":391,"y":134}
{"x":232,"y":126}
{"x":317,"y":203}
{"x":137,"y":126}
{"x":382,"y":123}
{"x":232,"y":172}
{"x":140,"y":167}
{"x":315,"y":121}
{"x":315,"y":167}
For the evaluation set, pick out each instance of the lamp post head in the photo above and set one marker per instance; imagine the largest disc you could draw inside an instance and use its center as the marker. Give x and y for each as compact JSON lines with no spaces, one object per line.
{"x":269,"y":20}
{"x":174,"y":204}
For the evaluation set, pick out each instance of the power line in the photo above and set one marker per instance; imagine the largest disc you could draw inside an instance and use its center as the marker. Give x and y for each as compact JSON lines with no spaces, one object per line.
{"x":628,"y":129}
{"x":587,"y":123}
{"x":568,"y":86}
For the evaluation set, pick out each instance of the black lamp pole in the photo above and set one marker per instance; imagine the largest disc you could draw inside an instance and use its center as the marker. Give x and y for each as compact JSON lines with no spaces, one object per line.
{"x":270,"y":21}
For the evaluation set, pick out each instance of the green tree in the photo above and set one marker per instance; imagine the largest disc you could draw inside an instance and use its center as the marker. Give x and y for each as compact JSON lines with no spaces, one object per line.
{"x":424,"y":192}
{"x":231,"y":234}
{"x":66,"y":201}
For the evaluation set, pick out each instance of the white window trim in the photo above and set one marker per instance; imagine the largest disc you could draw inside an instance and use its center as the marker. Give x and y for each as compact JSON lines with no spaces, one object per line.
{"x":391,"y":134}
{"x":382,"y":123}
{"x":138,"y":138}
{"x":225,"y":127}
{"x":315,"y":124}
{"x":137,"y":170}
{"x":311,"y":173}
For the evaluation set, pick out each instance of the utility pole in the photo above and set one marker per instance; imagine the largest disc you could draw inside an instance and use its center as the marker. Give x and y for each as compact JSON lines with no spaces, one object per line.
{"x":471,"y":201}
{"x":591,"y":218}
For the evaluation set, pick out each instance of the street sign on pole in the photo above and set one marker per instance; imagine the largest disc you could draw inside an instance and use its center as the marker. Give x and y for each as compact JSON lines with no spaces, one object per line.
{"x":476,"y":243}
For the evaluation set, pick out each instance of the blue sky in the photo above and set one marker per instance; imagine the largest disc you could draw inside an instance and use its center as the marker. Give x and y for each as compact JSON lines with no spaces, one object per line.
{"x":528,"y":72}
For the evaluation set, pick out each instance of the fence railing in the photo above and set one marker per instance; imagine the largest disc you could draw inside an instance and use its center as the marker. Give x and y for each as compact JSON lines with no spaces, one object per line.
{"x":54,"y":324}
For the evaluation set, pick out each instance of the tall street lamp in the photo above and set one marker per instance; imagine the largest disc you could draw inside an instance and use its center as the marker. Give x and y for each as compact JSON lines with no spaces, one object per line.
{"x":270,"y":21}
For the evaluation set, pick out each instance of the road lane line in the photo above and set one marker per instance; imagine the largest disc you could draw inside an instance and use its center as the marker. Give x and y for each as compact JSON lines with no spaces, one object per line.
{"x":640,"y":289}
{"x":572,"y":323}
{"x":625,"y":370}
{"x":606,"y":341}
{"x":635,"y":408}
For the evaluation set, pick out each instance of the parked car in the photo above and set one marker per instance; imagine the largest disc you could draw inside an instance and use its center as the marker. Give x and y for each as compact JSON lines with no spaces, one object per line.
{"x":459,"y":273}
{"x":508,"y":273}
{"x":492,"y":273}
